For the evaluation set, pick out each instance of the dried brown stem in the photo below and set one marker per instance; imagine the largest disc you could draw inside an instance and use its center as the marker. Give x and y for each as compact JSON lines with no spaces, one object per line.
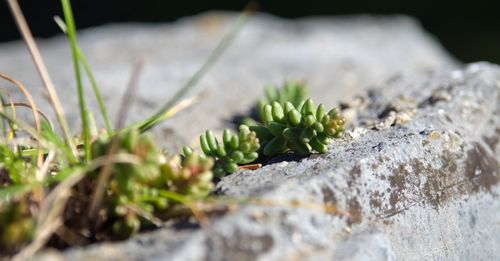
{"x":41,"y":68}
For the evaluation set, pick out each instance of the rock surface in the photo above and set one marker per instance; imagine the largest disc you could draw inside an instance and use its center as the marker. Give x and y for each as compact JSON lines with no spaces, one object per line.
{"x":423,"y":189}
{"x":415,"y":177}
{"x":337,"y":56}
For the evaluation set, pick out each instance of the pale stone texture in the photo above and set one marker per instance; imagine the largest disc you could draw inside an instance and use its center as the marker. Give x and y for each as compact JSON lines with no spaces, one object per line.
{"x":336,"y":56}
{"x":425,"y":189}
{"x":415,"y":177}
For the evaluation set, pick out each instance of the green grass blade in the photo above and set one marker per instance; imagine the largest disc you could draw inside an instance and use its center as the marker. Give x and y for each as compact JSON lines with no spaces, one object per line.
{"x":48,"y":137}
{"x":51,"y":136}
{"x":209,"y":62}
{"x":41,"y":68}
{"x":174,"y":196}
{"x":95,"y":87}
{"x":68,"y":15}
{"x":11,"y":192}
{"x":2,"y":121}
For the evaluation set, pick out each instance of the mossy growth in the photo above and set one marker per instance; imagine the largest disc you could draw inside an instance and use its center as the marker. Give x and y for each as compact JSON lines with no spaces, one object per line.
{"x":17,"y":226}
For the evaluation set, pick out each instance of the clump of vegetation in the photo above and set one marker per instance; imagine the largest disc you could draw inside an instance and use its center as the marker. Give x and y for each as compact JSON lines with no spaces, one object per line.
{"x":63,"y":190}
{"x":17,"y":226}
{"x":289,"y":121}
{"x":139,"y":191}
{"x":16,"y":220}
{"x":234,"y":149}
{"x":302,"y":129}
{"x":294,"y":92}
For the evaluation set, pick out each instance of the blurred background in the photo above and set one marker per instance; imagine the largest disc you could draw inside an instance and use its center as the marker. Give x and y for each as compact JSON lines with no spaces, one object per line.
{"x":470,"y":30}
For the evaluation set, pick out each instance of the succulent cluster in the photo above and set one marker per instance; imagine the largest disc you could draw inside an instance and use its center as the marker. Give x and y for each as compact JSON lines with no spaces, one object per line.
{"x":144,"y":188}
{"x":191,"y":176}
{"x":292,"y":91}
{"x":300,"y":129}
{"x":134,"y":185}
{"x":135,"y":190}
{"x":288,"y":122}
{"x":232,"y":151}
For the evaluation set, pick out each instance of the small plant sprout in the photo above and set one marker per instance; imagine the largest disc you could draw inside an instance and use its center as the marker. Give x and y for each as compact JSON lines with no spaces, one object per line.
{"x":231,"y":152}
{"x":294,"y":92}
{"x":299,"y":129}
{"x":193,"y":178}
{"x":137,"y":193}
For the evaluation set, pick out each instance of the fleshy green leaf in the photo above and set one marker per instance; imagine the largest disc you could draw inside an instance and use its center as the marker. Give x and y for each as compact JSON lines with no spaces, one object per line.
{"x":275,"y":146}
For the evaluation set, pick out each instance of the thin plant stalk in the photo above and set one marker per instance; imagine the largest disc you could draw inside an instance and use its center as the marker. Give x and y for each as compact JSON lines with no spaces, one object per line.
{"x":26,"y":127}
{"x":71,"y":30}
{"x":28,"y":97}
{"x":198,"y":75}
{"x":42,"y":70}
{"x":33,"y":106}
{"x":95,"y":87}
{"x":50,"y":216}
{"x":106,"y":171}
{"x":39,"y":137}
{"x":3,"y":122}
{"x":129,"y":94}
{"x":22,"y":104}
{"x":12,"y":124}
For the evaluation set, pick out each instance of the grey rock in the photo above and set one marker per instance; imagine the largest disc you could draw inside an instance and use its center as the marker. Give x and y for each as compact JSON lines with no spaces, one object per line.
{"x":337,"y":56}
{"x":366,"y":245}
{"x":414,"y":178}
{"x":425,"y":189}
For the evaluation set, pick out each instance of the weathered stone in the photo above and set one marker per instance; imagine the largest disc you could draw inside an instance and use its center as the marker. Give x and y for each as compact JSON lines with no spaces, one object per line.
{"x":337,"y":56}
{"x":414,"y":178}
{"x":428,"y":189}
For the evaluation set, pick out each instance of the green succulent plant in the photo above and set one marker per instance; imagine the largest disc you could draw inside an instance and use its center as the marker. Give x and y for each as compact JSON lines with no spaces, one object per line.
{"x":232,"y":151}
{"x":141,"y":186}
{"x":294,"y":92}
{"x":109,"y":197}
{"x":191,"y":176}
{"x":300,"y":129}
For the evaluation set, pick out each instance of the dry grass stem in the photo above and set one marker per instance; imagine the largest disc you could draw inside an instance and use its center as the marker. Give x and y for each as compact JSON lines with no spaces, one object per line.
{"x":41,"y":68}
{"x":115,"y":143}
{"x":129,"y":94}
{"x":28,"y":96}
{"x":34,"y":108}
{"x":251,"y":166}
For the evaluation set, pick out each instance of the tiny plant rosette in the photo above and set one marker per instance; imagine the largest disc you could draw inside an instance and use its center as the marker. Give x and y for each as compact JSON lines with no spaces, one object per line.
{"x":302,"y":129}
{"x":234,"y":150}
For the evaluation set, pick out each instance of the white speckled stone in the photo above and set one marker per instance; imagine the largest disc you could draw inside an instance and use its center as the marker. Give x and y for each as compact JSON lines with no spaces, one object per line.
{"x":425,"y":188}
